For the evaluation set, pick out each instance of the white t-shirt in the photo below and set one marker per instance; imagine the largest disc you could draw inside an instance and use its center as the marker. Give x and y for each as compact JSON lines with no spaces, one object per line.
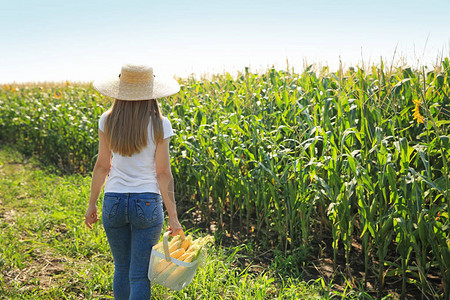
{"x":136,"y":173}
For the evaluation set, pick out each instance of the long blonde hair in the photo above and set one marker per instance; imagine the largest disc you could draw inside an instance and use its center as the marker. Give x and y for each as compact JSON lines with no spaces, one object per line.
{"x":126,"y":126}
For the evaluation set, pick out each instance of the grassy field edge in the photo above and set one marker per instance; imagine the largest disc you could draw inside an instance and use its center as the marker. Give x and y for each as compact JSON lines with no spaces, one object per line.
{"x":49,"y":254}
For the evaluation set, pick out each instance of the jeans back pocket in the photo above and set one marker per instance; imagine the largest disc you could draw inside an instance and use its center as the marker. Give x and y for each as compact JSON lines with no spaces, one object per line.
{"x":147,"y":209}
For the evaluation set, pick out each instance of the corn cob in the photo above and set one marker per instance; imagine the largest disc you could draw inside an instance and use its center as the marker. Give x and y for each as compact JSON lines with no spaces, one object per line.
{"x":183,"y":257}
{"x":175,"y":238}
{"x":177,"y":253}
{"x":186,"y":243}
{"x":174,"y":246}
{"x":175,"y":275}
{"x":193,"y":248}
{"x":164,"y":265}
{"x":158,"y":246}
{"x":161,"y":266}
{"x":187,"y":251}
{"x":189,"y":257}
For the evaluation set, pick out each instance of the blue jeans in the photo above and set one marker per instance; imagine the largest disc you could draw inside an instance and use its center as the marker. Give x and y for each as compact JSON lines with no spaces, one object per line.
{"x":133,"y":224}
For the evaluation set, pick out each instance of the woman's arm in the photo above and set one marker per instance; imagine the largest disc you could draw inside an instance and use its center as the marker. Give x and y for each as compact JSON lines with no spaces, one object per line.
{"x":101,"y":171}
{"x":166,"y":184}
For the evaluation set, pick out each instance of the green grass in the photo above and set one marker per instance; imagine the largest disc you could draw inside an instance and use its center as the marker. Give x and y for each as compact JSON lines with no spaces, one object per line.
{"x":48,"y":253}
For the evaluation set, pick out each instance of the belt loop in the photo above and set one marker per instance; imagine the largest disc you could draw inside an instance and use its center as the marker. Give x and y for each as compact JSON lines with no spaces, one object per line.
{"x":126,"y":207}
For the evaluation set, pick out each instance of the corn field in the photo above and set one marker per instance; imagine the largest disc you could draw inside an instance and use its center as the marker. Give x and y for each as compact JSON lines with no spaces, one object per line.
{"x":361,"y":153}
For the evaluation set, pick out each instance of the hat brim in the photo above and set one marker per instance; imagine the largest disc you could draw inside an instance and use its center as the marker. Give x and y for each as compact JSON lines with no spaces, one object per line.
{"x":161,"y":86}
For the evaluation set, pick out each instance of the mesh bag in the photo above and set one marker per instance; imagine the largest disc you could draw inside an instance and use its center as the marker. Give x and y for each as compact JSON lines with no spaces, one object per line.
{"x":168,"y":271}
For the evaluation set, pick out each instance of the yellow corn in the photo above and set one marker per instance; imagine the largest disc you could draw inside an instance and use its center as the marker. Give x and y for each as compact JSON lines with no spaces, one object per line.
{"x":186,"y":243}
{"x":158,"y":246}
{"x":182,"y":257}
{"x":194,"y":248}
{"x":186,"y":250}
{"x":162,"y":265}
{"x":174,"y":246}
{"x":175,"y":238}
{"x":189,"y":257}
{"x":177,"y":253}
{"x":174,"y":277}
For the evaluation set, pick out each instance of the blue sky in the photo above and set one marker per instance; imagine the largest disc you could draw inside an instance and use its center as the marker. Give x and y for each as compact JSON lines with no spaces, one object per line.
{"x":84,"y":40}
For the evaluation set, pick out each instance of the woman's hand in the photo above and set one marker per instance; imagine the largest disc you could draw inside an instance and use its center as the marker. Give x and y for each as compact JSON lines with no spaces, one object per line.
{"x":91,"y":216}
{"x":174,"y":226}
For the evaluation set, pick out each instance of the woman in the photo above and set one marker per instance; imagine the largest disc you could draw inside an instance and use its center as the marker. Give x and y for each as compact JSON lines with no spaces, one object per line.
{"x":134,"y":152}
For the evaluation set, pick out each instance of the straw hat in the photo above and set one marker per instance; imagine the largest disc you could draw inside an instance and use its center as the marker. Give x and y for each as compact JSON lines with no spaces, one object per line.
{"x":137,"y":82}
